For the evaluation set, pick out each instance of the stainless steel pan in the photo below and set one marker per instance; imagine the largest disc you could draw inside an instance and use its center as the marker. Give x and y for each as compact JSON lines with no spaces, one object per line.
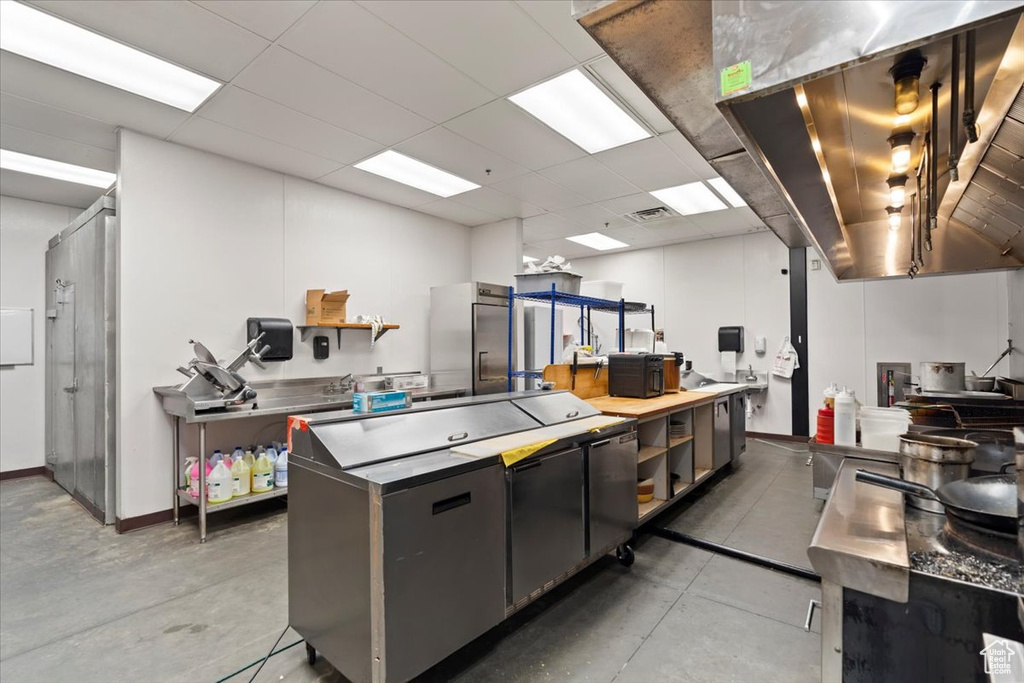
{"x":989,"y":501}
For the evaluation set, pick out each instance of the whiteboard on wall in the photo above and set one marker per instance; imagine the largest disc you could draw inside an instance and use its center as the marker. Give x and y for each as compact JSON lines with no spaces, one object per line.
{"x":15,"y":336}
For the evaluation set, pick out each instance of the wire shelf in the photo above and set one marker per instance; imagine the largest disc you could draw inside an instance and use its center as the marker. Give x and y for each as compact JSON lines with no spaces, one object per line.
{"x":578,"y":300}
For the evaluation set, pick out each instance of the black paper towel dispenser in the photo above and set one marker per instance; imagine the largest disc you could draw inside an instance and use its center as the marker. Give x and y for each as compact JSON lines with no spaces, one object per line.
{"x":277,"y":334}
{"x":730,"y":339}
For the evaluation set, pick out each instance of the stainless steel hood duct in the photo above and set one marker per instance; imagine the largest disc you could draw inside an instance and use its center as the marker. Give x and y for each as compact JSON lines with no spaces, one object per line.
{"x":838,"y":55}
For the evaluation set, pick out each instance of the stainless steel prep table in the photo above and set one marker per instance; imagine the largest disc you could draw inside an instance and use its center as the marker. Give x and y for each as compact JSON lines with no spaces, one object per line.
{"x":274,"y":398}
{"x":401,"y":551}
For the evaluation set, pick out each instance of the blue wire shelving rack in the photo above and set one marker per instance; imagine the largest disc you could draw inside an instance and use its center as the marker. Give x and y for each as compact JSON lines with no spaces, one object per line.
{"x":586,"y":304}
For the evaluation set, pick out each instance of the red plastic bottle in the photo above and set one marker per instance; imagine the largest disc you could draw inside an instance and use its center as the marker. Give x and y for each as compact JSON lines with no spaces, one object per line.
{"x":826,"y":426}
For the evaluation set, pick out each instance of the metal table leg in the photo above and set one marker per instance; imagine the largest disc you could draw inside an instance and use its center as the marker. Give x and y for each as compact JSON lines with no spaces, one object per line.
{"x":202,"y":482}
{"x":176,"y":446}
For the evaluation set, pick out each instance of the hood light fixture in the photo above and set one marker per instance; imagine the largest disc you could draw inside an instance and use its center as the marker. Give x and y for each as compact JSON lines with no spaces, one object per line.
{"x":906,"y":77}
{"x":895,"y":219}
{"x":897,"y":191}
{"x":900,"y":144}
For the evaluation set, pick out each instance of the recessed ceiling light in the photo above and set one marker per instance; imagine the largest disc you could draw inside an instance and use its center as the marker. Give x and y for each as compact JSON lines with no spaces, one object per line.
{"x":45,"y":38}
{"x":575,"y":107}
{"x":409,"y":171}
{"x":596,"y":240}
{"x":728,"y":194}
{"x":690,"y":198}
{"x":58,"y":170}
{"x":529,"y":259}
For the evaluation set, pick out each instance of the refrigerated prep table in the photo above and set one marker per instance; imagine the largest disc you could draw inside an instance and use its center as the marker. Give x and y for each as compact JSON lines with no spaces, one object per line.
{"x":401,"y":550}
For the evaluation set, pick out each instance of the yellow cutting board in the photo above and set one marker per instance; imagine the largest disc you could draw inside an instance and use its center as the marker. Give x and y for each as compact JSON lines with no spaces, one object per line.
{"x":501,"y":444}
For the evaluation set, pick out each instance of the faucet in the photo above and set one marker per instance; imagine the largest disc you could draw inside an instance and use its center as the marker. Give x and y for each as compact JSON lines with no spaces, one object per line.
{"x":751,"y":375}
{"x":344,"y":384}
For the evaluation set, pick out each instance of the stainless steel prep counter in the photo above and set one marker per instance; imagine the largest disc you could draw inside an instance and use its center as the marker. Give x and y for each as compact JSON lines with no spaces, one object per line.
{"x":273,"y":398}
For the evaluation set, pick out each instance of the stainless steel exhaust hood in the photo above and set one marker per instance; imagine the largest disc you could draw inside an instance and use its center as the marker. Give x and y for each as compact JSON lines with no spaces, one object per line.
{"x":803,"y":127}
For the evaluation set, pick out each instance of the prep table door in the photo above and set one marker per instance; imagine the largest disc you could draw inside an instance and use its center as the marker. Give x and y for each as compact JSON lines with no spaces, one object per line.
{"x":444,"y":568}
{"x":546,"y":526}
{"x":612,"y":509}
{"x":722,"y":452}
{"x":738,"y":425}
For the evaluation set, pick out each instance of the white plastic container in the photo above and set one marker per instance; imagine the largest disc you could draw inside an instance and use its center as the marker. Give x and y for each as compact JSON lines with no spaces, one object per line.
{"x":281,"y":470}
{"x":219,"y":484}
{"x":846,"y":418}
{"x":262,"y":474}
{"x":602,"y":289}
{"x":241,"y":476}
{"x":880,"y":428}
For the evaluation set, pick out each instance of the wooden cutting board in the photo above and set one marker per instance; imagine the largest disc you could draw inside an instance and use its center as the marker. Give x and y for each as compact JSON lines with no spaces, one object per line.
{"x":587,"y":386}
{"x":501,"y":444}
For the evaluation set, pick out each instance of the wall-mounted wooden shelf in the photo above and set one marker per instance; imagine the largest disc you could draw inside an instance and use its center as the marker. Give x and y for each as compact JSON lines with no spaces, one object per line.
{"x":306,"y":330}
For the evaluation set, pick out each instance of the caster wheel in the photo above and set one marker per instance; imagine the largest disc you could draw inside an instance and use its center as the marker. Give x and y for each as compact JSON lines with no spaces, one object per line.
{"x":310,"y":654}
{"x":625,"y":555}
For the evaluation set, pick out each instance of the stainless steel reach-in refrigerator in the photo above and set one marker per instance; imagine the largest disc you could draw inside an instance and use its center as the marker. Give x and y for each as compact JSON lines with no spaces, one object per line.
{"x":469,"y":340}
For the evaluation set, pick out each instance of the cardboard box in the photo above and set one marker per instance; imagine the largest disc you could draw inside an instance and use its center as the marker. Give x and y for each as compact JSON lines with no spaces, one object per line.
{"x":380,"y":401}
{"x":323,"y":307}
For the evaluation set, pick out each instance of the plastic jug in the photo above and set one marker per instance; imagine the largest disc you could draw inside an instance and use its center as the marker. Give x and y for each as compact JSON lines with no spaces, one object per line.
{"x":216,"y":457}
{"x":237,"y":454}
{"x":249,"y":458}
{"x":190,"y":462}
{"x":272,"y":453}
{"x":281,"y":470}
{"x":241,"y":478}
{"x":262,"y":474}
{"x":846,"y":418}
{"x":193,"y":478}
{"x":218,"y":484}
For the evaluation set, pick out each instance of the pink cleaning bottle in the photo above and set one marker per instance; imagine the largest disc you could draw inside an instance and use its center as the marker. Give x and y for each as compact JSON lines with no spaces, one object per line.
{"x":193,"y":475}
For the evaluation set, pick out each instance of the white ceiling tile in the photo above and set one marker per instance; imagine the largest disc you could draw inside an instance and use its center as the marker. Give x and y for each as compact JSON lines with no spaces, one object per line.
{"x":60,"y":89}
{"x":353,"y":180}
{"x":48,"y":190}
{"x":619,"y":83}
{"x":215,"y":137}
{"x":540,"y":192}
{"x":457,"y":213}
{"x":593,"y":217}
{"x":50,"y":147}
{"x":340,"y":36}
{"x":676,"y":228}
{"x":682,"y":148}
{"x":295,"y":82}
{"x":514,"y":134}
{"x":497,"y":203}
{"x":634,"y":202}
{"x":180,"y":32}
{"x":725,"y":221}
{"x":562,"y":247}
{"x":442,"y":148}
{"x":548,"y":226}
{"x":495,"y":42}
{"x":268,"y":18}
{"x":589,"y":178}
{"x":634,"y":236}
{"x":241,"y":109}
{"x":648,"y":164}
{"x":555,"y":17}
{"x":17,"y":111}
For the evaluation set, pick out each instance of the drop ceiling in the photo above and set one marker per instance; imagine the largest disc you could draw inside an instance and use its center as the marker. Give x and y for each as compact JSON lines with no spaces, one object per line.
{"x":312,"y":88}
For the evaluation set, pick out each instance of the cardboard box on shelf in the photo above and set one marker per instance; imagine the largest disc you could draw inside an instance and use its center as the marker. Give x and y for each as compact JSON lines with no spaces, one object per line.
{"x":323,"y":307}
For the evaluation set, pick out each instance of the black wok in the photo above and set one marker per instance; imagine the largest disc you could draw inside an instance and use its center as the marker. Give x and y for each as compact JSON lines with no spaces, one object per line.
{"x":989,"y":501}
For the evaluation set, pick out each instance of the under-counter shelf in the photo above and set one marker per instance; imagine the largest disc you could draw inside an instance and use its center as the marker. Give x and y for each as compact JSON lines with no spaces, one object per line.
{"x":700,"y":474}
{"x":306,"y":330}
{"x":251,"y":497}
{"x":674,"y":441}
{"x":648,"y":452}
{"x":649,"y":508}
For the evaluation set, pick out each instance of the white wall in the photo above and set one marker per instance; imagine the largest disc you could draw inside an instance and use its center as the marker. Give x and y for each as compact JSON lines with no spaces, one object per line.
{"x":497,"y":251}
{"x":25,"y":229}
{"x":1015,"y":300}
{"x":852,"y":326}
{"x":698,"y":287}
{"x":206,"y":242}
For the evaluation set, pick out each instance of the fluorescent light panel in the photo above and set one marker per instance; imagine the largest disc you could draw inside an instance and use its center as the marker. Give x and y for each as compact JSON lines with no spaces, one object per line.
{"x":690,"y":198}
{"x":409,"y":171}
{"x":574,"y":107}
{"x":596,"y":240}
{"x":58,"y":170}
{"x":728,"y":194}
{"x":45,"y":38}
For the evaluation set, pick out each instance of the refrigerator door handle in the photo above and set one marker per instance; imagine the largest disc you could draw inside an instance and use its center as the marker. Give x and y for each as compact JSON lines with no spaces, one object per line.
{"x":480,"y":366}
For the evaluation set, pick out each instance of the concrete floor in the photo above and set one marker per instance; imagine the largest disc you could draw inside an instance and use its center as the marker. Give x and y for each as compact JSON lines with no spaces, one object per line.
{"x":80,"y":603}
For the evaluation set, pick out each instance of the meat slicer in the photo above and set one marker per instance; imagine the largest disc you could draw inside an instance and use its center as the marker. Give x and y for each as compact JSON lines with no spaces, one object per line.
{"x":211,"y":385}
